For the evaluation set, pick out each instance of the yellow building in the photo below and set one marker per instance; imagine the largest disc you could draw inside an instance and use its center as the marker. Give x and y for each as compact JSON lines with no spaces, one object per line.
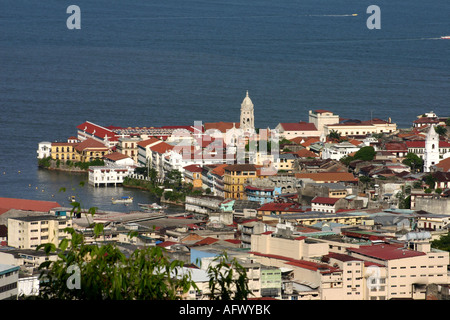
{"x":193,"y":174}
{"x":63,"y":151}
{"x":235,"y":176}
{"x":90,"y":150}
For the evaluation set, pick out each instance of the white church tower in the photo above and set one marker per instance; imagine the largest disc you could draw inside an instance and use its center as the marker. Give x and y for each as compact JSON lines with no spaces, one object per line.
{"x":247,"y":118}
{"x":431,"y":156}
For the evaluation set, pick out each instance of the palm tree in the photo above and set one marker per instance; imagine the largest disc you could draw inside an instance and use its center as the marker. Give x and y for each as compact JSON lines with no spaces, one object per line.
{"x":334,"y":135}
{"x":441,"y":130}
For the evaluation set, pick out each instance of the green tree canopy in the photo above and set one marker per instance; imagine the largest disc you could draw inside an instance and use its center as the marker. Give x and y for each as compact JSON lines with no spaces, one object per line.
{"x":413,"y":161}
{"x":440,"y":130}
{"x":443,"y":243}
{"x":365,"y":153}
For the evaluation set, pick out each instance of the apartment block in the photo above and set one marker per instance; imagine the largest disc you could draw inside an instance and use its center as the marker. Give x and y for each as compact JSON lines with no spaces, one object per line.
{"x":32,"y":231}
{"x":9,"y":276}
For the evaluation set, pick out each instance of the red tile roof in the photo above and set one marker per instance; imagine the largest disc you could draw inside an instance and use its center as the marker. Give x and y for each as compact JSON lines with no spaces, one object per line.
{"x":304,"y":153}
{"x":97,"y":131}
{"x":299,"y":126}
{"x":444,"y":165}
{"x":206,"y":241}
{"x":151,"y":140}
{"x":325,"y":200}
{"x":386,"y":251}
{"x":322,"y":111}
{"x":314,"y":266}
{"x":116,"y":156}
{"x":193,"y":168}
{"x":162,"y":147}
{"x":90,"y":144}
{"x":219,"y":170}
{"x":27,"y":205}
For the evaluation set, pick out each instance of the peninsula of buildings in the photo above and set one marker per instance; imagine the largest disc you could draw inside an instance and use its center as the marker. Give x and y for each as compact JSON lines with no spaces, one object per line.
{"x":333,"y":208}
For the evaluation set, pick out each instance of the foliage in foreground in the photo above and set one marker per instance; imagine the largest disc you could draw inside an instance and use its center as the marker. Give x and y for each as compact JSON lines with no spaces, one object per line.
{"x":102,"y":272}
{"x":86,"y":271}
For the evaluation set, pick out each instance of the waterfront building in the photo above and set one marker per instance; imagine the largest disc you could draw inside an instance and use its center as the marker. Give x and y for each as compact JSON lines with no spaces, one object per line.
{"x":321,"y":118}
{"x":63,"y":151}
{"x":89,"y":130}
{"x":44,"y":149}
{"x":90,"y":150}
{"x":108,"y":175}
{"x":358,"y":128}
{"x":144,"y":151}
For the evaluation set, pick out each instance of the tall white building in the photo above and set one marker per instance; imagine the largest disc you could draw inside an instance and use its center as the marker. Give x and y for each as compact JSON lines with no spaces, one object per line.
{"x":431,"y":156}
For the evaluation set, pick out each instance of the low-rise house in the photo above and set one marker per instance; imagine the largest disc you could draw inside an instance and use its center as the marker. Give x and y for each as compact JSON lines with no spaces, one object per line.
{"x":326,"y":204}
{"x":285,"y":162}
{"x":338,"y":150}
{"x":118,"y":159}
{"x":193,"y":174}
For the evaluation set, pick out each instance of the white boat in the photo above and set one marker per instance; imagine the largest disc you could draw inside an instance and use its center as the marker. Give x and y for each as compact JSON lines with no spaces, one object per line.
{"x":153,"y":206}
{"x":445,"y":37}
{"x":122,"y":200}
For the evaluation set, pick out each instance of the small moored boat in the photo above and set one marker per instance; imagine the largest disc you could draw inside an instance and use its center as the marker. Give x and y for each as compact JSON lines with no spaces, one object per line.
{"x":122,"y":200}
{"x":152,"y":206}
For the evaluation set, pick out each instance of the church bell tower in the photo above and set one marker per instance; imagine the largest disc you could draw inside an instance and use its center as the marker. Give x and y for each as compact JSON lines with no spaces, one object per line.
{"x":431,"y":156}
{"x":247,"y":118}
